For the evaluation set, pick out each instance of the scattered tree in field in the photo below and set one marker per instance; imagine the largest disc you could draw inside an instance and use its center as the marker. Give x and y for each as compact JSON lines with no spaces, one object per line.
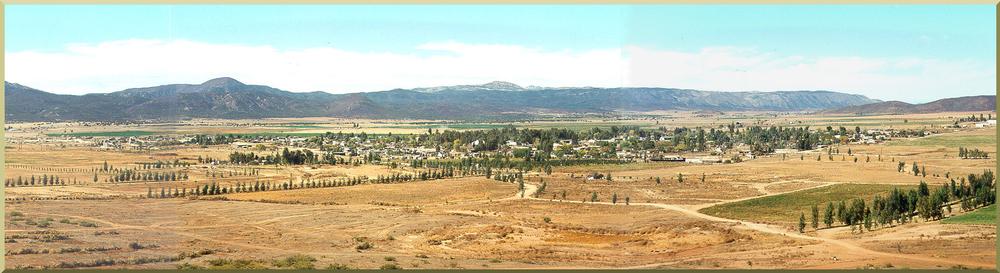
{"x":802,"y":222}
{"x":815,"y":217}
{"x":828,"y":215}
{"x":975,"y":153}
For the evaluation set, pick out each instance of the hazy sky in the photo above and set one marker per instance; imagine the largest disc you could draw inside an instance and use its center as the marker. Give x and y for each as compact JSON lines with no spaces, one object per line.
{"x":890,"y":52}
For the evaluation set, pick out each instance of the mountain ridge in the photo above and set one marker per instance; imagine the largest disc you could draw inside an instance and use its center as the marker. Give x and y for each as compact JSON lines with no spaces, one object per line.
{"x":229,"y":98}
{"x":957,"y":104}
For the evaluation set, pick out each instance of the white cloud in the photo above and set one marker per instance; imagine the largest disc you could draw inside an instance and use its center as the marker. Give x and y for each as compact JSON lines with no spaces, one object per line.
{"x":116,"y":65}
{"x":734,"y":69}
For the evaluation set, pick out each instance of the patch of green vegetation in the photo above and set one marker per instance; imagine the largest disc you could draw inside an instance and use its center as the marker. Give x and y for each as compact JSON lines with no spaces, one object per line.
{"x":188,"y":266}
{"x":235,"y":264}
{"x":446,"y":126}
{"x":279,"y":134}
{"x":583,"y":169}
{"x":302,"y":126}
{"x":982,"y":216}
{"x":106,"y":134}
{"x":787,"y":207}
{"x":297,"y":261}
{"x":336,"y":266}
{"x":949,"y":140}
{"x":390,"y":267}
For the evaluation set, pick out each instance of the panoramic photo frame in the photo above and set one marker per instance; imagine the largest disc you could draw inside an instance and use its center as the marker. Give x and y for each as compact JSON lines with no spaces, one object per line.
{"x":501,"y":136}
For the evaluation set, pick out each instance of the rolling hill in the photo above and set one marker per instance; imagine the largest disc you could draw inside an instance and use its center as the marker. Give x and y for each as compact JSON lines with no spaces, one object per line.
{"x":960,"y":104}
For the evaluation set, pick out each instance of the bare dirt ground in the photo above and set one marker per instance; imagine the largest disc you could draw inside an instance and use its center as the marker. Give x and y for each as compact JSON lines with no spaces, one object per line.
{"x":479,"y":223}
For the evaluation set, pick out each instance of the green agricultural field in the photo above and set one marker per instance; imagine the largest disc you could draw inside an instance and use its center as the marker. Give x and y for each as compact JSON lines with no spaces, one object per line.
{"x":950,"y":140}
{"x":786,"y":207}
{"x":107,"y":134}
{"x":982,"y":216}
{"x":302,"y":126}
{"x":614,"y":168}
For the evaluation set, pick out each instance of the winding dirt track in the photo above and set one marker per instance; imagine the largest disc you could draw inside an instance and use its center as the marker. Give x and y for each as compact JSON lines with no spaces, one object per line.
{"x":529,"y":191}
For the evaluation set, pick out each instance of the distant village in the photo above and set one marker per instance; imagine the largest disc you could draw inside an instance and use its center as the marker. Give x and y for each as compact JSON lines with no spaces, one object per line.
{"x":689,"y":145}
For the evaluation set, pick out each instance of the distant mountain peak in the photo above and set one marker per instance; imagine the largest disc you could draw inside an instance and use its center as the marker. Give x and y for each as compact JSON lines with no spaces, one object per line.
{"x":490,"y":86}
{"x":502,"y":85}
{"x":222,"y":82}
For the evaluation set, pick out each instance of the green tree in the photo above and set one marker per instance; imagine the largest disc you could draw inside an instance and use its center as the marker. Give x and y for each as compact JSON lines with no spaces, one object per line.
{"x":815,"y":217}
{"x":923,"y":189}
{"x":802,"y":222}
{"x":828,"y":215}
{"x":842,"y":215}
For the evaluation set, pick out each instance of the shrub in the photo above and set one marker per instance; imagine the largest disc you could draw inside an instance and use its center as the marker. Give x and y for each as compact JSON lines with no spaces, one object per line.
{"x":188,"y":266}
{"x":235,"y":264}
{"x":336,"y":266}
{"x":390,"y":267}
{"x":363,"y":246}
{"x":298,"y":261}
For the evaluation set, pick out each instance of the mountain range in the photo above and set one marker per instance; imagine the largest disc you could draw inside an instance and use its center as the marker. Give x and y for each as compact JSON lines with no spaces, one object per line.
{"x":959,"y":104}
{"x":231,"y":99}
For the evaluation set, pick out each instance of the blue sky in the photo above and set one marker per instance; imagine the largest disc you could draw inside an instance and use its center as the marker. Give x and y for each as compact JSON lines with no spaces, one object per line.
{"x":892,"y":52}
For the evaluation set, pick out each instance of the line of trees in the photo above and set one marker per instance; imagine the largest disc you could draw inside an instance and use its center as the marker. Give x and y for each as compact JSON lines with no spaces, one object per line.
{"x":163,"y":164}
{"x":973,"y":118}
{"x":216,"y":189}
{"x":901,"y":206}
{"x":488,"y":165}
{"x":44,"y":180}
{"x":131,"y":175}
{"x":974,"y":153}
{"x":286,"y":157}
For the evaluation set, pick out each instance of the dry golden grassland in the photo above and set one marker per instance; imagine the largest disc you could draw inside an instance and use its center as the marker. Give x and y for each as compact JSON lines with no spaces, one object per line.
{"x":737,"y":217}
